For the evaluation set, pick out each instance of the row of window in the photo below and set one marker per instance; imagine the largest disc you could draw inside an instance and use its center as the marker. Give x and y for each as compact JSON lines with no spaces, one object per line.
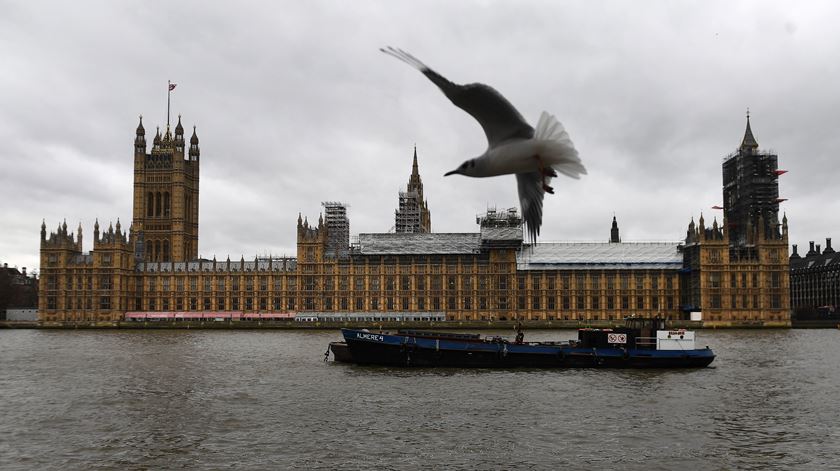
{"x":744,"y":301}
{"x":740,"y":280}
{"x":402,"y":282}
{"x":409,"y":303}
{"x":715,"y":255}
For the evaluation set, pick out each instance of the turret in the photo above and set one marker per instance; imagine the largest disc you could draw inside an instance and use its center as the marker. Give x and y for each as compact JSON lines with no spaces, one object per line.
{"x":96,"y":231}
{"x":79,"y":237}
{"x":194,"y":150}
{"x":140,"y":139}
{"x":43,"y":230}
{"x":614,"y":237}
{"x":179,"y":135}
{"x":179,"y":129}
{"x":785,"y":227}
{"x":690,"y":233}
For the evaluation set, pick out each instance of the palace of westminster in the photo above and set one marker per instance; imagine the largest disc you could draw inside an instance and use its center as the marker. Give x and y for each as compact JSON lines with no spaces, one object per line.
{"x":735,"y":271}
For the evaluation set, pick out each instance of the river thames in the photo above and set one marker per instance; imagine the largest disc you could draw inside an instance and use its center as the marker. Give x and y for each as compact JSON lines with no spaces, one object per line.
{"x":265,"y":399}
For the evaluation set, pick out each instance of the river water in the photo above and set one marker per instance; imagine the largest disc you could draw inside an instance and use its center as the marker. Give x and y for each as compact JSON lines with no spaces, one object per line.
{"x":265,"y":399}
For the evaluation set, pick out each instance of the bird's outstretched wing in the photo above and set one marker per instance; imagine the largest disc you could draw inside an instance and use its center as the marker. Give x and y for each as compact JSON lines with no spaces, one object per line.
{"x":531,"y":195}
{"x":499,"y":119}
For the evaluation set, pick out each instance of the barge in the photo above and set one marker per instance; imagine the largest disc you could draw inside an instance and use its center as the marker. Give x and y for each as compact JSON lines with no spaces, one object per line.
{"x":641,"y":343}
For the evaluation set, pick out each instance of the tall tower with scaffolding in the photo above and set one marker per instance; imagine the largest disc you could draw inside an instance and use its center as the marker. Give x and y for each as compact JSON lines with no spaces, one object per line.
{"x":751,"y":193}
{"x":338,"y":229}
{"x":413,"y":213}
{"x":739,"y":270}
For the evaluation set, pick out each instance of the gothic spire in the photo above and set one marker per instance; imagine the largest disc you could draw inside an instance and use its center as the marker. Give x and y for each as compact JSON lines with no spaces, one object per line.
{"x":749,"y":141}
{"x":614,"y":238}
{"x":194,"y":150}
{"x":414,"y":182}
{"x":141,"y":131}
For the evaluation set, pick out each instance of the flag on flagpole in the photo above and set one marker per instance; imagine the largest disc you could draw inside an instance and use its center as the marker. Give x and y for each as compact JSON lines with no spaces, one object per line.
{"x":172,"y":86}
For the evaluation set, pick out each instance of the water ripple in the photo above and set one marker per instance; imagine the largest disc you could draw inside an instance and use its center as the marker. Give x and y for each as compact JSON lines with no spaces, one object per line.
{"x":257,"y":400}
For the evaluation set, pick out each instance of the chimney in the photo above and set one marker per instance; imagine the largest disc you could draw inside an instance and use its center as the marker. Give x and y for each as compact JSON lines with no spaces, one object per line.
{"x":818,"y":249}
{"x":828,"y":248}
{"x":24,"y":271}
{"x":811,"y":250}
{"x":794,"y":254}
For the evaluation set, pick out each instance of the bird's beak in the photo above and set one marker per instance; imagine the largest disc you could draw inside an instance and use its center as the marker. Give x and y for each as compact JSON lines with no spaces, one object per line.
{"x":451,"y":173}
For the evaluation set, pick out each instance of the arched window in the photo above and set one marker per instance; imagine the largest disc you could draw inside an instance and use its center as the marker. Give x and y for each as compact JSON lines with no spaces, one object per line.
{"x":157,"y":251}
{"x":150,"y":204}
{"x":166,"y":250}
{"x":157,"y":204}
{"x":166,"y":202}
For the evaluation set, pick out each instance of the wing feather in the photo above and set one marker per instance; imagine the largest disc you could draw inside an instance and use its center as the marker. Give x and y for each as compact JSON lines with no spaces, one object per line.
{"x":496,"y":115}
{"x":531,"y":196}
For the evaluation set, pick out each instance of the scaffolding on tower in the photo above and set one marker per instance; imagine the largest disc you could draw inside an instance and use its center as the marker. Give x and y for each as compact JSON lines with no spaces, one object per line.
{"x":338,"y":229}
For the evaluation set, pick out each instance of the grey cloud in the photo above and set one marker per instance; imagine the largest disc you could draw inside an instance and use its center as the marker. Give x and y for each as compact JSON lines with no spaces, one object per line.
{"x":295,"y":105}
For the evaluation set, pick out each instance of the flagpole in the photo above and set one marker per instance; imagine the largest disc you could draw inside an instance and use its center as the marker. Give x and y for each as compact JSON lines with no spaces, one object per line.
{"x":168,"y":93}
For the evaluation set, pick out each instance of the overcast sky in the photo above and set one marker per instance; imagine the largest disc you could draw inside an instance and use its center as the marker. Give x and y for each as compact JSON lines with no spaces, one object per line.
{"x":295,"y":105}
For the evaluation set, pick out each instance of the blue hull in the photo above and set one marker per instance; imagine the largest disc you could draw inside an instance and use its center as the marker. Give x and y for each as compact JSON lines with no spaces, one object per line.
{"x":406,"y":350}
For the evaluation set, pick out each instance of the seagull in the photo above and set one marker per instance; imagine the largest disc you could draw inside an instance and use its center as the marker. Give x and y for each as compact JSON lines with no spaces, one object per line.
{"x":513,"y":146}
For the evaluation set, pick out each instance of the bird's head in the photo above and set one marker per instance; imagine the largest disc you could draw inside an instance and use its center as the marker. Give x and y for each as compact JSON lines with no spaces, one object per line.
{"x":467,"y":168}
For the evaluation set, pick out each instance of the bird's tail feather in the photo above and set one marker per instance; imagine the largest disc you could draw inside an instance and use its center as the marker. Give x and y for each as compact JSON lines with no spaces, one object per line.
{"x":557,"y":148}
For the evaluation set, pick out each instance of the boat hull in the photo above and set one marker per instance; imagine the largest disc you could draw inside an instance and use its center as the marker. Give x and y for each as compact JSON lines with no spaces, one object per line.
{"x":401,"y":350}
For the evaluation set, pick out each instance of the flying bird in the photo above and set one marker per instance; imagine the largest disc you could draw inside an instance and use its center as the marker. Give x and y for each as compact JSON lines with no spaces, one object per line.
{"x":513,"y":146}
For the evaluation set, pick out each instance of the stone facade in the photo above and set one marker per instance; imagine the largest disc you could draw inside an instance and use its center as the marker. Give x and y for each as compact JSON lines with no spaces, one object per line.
{"x":739,"y":272}
{"x":486,"y":275}
{"x":166,"y":196}
{"x":97,"y":286}
{"x":815,"y":282}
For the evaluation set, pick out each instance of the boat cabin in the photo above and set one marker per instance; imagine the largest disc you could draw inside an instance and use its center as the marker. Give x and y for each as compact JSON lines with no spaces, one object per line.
{"x":638,"y":333}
